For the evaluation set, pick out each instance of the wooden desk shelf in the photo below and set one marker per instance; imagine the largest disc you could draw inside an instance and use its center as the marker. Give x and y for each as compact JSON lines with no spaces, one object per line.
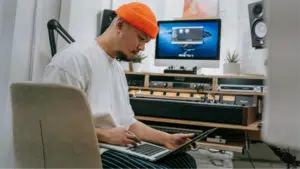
{"x":233,"y":147}
{"x":159,"y":82}
{"x":195,"y":91}
{"x":252,"y":127}
{"x":192,"y":75}
{"x":215,"y":80}
{"x":237,"y":93}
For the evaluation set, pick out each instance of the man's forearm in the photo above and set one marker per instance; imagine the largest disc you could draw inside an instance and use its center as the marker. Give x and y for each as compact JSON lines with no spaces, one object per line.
{"x":148,"y":134}
{"x":102,"y":135}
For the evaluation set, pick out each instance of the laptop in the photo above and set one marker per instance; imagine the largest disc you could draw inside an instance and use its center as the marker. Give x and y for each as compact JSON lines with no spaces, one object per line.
{"x":152,"y":152}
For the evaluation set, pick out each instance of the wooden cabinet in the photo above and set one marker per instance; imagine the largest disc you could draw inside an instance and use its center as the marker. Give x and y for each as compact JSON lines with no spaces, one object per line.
{"x":156,"y":85}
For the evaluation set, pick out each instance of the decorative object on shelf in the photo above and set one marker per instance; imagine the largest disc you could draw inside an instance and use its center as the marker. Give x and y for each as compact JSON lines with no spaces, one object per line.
{"x":199,"y":9}
{"x":137,"y":64}
{"x":231,"y":66}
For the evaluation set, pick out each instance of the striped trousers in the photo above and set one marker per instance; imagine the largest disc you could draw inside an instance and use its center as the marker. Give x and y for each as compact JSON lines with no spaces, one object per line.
{"x":115,"y":160}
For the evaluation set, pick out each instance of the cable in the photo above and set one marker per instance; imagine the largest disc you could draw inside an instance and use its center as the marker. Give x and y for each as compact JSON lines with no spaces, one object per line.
{"x":285,"y":156}
{"x":247,"y":149}
{"x":250,"y":159}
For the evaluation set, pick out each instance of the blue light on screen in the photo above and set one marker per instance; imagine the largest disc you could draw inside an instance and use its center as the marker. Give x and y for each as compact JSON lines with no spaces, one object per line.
{"x":209,"y":49}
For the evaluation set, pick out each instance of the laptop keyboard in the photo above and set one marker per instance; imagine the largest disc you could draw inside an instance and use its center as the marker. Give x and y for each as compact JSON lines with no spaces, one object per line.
{"x":147,"y":149}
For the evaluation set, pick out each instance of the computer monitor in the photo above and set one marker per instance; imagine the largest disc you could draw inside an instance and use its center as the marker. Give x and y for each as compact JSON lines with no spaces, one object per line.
{"x":188,"y":43}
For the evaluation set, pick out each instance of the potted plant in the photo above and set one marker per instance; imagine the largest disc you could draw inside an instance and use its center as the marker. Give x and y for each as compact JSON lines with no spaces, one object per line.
{"x":231,"y":65}
{"x":137,"y":62}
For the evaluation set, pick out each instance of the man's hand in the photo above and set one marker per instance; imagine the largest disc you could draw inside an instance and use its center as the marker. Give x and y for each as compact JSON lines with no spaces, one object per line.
{"x":176,"y":140}
{"x":117,"y":136}
{"x":148,"y":134}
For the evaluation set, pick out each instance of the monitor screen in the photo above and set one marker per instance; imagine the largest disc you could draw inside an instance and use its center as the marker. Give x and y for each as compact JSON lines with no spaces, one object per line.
{"x":189,"y":39}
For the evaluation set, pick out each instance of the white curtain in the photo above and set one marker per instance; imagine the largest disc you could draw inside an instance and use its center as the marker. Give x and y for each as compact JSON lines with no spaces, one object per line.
{"x":41,"y":53}
{"x":22,"y":41}
{"x":7,"y":23}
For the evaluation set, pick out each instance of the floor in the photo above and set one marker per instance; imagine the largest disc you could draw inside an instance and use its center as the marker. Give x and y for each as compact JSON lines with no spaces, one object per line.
{"x":214,"y":159}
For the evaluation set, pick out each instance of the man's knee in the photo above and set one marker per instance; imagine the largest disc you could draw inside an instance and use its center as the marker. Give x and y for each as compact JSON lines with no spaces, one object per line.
{"x":182,"y":161}
{"x":191,"y":161}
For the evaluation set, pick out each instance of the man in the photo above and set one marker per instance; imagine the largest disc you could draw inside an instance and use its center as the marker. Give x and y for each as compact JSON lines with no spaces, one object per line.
{"x":93,"y":68}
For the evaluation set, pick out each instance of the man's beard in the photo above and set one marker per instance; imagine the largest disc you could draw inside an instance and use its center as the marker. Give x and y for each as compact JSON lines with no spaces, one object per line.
{"x":122,"y":57}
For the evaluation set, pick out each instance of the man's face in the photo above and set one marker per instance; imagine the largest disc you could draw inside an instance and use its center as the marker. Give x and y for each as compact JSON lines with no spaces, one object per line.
{"x":131,"y":41}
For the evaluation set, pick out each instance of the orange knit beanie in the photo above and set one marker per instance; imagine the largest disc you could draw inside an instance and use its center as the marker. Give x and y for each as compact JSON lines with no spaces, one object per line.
{"x":140,"y":16}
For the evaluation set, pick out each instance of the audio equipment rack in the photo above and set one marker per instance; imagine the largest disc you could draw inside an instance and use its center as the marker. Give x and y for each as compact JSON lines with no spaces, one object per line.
{"x":185,"y":87}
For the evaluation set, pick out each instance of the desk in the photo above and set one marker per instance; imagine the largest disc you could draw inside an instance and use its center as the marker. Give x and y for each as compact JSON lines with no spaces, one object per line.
{"x":142,"y":80}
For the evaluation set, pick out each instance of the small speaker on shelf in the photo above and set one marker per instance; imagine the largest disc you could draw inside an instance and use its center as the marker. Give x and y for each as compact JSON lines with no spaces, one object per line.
{"x":258,"y":25}
{"x":108,"y":16}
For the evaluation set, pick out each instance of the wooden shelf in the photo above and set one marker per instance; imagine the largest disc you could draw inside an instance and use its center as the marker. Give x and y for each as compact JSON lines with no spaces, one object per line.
{"x":138,"y":87}
{"x":233,"y":147}
{"x":195,"y":91}
{"x":252,"y":127}
{"x":246,"y":76}
{"x":238,"y":93}
{"x":255,"y":136}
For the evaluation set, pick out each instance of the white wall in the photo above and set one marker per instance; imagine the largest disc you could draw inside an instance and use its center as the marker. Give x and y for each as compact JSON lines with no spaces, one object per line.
{"x":41,"y":54}
{"x":22,"y":41}
{"x":7,"y":24}
{"x":82,"y":17}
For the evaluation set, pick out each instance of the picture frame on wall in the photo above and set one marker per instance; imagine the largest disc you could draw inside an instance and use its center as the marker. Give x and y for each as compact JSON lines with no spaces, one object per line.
{"x":199,"y":9}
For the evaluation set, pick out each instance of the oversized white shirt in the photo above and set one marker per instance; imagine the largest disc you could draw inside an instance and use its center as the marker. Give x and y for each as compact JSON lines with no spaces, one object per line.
{"x":88,"y":67}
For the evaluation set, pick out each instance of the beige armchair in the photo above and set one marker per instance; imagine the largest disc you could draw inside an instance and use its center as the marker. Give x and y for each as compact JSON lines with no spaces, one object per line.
{"x":53,"y":127}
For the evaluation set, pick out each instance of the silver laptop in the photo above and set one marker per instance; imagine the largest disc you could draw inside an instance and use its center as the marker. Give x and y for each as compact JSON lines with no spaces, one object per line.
{"x":154,"y":152}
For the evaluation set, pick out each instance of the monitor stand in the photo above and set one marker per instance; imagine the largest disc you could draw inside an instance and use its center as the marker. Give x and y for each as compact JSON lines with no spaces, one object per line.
{"x":181,"y":70}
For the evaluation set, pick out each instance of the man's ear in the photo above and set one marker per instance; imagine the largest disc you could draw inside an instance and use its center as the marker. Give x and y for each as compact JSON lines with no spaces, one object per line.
{"x":120,"y":24}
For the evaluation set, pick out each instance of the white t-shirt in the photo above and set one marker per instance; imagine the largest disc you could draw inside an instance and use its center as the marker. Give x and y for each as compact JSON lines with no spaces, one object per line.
{"x":88,"y":67}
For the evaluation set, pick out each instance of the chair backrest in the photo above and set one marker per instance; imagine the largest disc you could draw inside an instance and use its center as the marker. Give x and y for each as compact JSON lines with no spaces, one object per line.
{"x":53,"y":127}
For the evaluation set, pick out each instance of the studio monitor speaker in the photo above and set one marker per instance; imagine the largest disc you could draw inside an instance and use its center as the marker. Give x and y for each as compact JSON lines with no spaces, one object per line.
{"x":107,"y":18}
{"x":258,"y":25}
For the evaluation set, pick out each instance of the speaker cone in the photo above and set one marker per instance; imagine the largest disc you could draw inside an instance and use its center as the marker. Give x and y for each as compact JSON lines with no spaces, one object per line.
{"x":259,"y":29}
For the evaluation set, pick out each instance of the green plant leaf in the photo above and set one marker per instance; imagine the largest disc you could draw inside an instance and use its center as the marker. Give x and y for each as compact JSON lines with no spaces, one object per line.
{"x":232,"y":57}
{"x":139,"y":58}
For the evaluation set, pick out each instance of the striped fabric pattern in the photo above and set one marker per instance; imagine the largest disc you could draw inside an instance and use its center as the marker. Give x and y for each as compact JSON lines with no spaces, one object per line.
{"x":115,"y":160}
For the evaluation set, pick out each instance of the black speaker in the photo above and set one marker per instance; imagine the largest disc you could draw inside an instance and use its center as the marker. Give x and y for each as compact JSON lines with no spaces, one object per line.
{"x":107,"y":18}
{"x":258,"y":25}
